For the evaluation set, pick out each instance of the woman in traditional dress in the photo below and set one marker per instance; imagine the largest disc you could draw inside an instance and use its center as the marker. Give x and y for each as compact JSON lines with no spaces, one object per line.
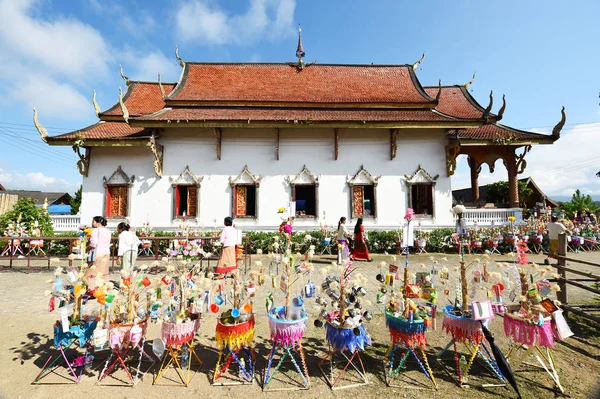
{"x":342,"y":240}
{"x":128,"y":247}
{"x":99,"y":247}
{"x":227,"y":260}
{"x":360,"y":250}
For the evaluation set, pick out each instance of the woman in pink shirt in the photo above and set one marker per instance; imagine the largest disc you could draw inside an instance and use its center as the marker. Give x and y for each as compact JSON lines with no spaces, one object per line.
{"x":227,"y":260}
{"x":100,"y":246}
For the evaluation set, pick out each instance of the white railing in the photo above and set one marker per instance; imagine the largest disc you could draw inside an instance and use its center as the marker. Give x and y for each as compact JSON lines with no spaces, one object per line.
{"x":66,"y":222}
{"x":497,"y":216}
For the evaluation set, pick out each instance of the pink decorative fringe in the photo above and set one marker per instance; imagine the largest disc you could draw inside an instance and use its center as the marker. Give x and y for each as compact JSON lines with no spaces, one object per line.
{"x":179,"y":333}
{"x":528,"y":334}
{"x":463,"y":328}
{"x":286,"y":332}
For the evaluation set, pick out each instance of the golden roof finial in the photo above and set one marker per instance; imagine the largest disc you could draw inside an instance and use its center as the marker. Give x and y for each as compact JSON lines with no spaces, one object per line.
{"x":125,"y":78}
{"x":502,"y":109}
{"x":416,"y":64}
{"x":123,"y":107}
{"x":181,"y":62}
{"x":439,"y":93}
{"x":41,"y":129}
{"x":162,"y":89}
{"x":96,"y":106}
{"x":559,"y":125}
{"x":470,"y":82}
{"x":486,"y":112}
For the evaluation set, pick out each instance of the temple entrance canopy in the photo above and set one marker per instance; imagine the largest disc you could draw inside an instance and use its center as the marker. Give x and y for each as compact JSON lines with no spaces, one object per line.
{"x":490,"y":143}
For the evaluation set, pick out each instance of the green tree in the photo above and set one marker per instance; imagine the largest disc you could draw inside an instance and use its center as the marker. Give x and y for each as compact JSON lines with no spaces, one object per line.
{"x":29,"y":214}
{"x":76,"y":202}
{"x":498,"y":193}
{"x":579,"y":203}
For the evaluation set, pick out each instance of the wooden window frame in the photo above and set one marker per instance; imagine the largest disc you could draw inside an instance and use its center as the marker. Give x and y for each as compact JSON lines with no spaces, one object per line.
{"x":186,"y":178}
{"x":233,"y":201}
{"x":175,"y":200}
{"x":118,"y":179}
{"x":363,"y":178}
{"x":304,"y":178}
{"x":421,"y":177}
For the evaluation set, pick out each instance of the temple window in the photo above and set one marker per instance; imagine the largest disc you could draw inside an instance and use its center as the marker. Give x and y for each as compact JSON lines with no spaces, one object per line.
{"x":117,"y":188}
{"x":305,"y":188}
{"x":363,"y":194}
{"x":186,"y":188}
{"x":420,"y":188}
{"x":245,"y":194}
{"x":186,"y":200}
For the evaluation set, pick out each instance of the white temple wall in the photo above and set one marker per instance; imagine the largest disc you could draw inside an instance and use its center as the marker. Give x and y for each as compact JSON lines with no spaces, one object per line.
{"x":151,"y":198}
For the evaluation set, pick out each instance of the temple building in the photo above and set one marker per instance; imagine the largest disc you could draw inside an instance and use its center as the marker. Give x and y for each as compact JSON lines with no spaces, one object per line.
{"x":244,"y":139}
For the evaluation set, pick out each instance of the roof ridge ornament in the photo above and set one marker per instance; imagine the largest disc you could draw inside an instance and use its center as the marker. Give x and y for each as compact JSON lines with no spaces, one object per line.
{"x":162,"y":89}
{"x":416,"y":64}
{"x":41,"y":129}
{"x":96,"y":106}
{"x":439,"y":93}
{"x":300,"y":53}
{"x":181,"y":62}
{"x":486,"y":112}
{"x":123,"y":107}
{"x":502,"y":109}
{"x":559,"y":125}
{"x":125,"y":78}
{"x":470,"y":82}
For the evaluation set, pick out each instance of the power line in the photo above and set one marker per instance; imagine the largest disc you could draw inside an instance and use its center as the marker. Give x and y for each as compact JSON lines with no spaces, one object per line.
{"x":44,"y":156}
{"x":35,"y":143}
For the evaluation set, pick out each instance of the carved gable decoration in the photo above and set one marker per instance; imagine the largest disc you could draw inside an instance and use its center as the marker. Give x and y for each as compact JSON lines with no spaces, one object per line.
{"x":363,"y":177}
{"x":119,"y":178}
{"x":186,"y":178}
{"x":304,"y":177}
{"x":245,"y":178}
{"x":420,"y":176}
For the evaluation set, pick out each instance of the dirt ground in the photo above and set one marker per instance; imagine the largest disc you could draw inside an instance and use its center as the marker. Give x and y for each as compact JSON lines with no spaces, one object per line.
{"x":26,"y":342}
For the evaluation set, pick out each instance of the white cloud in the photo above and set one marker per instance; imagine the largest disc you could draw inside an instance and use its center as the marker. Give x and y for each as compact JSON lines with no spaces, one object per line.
{"x":35,"y":181}
{"x":42,"y":92}
{"x":206,"y":21}
{"x":46,"y":60}
{"x":147,"y":65}
{"x":569,"y":164}
{"x":64,"y":46}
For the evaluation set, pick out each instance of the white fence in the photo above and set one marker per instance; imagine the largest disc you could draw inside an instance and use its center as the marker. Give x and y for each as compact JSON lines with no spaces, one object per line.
{"x":66,"y":222}
{"x":487,"y":216}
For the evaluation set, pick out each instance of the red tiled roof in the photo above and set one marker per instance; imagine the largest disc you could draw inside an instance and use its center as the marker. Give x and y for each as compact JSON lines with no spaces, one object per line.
{"x":141,"y":98}
{"x":456,"y":101}
{"x":285,"y":83}
{"x":497,"y":131}
{"x":101,"y":130}
{"x":295,"y":114}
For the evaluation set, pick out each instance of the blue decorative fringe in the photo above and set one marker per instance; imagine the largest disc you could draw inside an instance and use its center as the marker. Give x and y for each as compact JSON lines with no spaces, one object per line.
{"x":344,"y":338}
{"x":401,"y":324}
{"x":82,"y":333}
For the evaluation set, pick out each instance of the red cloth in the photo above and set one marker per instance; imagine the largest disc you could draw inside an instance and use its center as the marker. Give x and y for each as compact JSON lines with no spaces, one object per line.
{"x":360,"y":251}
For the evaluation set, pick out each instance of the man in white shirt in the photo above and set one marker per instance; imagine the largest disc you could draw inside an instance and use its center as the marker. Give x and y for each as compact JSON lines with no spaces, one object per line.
{"x":554,"y":229}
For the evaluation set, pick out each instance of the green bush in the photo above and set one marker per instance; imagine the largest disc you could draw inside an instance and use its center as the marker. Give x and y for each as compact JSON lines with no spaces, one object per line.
{"x":29,"y":213}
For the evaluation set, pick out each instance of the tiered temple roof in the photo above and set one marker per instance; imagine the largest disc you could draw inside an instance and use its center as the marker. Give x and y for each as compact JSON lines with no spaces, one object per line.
{"x":296,"y":94}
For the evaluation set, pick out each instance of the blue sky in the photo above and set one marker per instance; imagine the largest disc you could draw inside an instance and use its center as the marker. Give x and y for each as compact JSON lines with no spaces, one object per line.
{"x":542,"y":55}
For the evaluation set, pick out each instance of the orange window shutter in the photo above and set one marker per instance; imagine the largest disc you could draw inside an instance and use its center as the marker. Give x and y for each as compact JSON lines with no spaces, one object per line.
{"x":108,"y":202}
{"x":192,"y":197}
{"x":240,"y":200}
{"x":177,"y":200}
{"x":358,"y":200}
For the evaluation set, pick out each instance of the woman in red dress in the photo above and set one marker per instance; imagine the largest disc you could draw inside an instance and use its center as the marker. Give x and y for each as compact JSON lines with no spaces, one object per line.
{"x":360,"y":251}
